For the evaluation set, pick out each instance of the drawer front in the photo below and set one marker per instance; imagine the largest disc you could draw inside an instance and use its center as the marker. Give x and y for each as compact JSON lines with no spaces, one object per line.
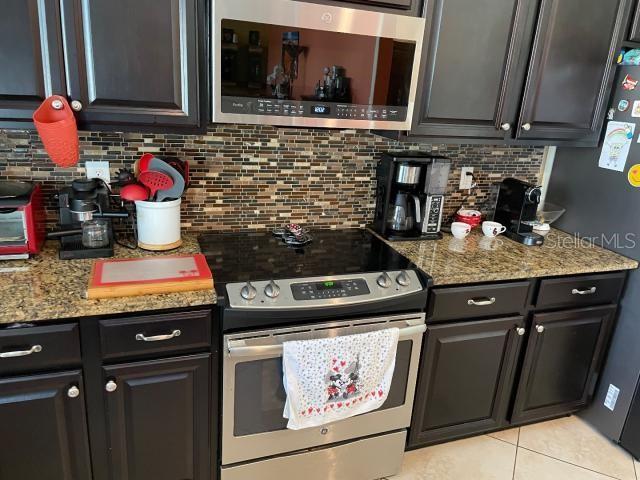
{"x":580,"y":291}
{"x":153,"y":334}
{"x":477,"y":301}
{"x":39,"y":348}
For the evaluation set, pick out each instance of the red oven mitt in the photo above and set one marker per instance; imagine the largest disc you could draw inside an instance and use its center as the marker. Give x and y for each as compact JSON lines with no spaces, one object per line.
{"x":58,"y":131}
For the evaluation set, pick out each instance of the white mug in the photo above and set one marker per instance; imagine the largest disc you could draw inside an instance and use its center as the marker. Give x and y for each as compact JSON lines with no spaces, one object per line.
{"x":492,"y":229}
{"x":460,"y":229}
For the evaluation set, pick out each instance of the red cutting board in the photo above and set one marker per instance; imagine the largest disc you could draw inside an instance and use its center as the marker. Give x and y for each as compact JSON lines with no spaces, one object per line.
{"x":129,"y":277}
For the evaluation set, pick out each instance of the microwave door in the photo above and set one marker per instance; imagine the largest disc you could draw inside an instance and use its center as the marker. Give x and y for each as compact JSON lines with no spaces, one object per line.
{"x":287,"y":62}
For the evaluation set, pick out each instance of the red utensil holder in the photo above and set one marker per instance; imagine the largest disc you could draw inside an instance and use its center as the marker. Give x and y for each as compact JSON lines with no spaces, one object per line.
{"x":58,"y":130}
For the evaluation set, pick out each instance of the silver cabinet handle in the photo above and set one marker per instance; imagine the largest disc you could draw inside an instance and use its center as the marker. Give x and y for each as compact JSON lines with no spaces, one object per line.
{"x":76,"y":105}
{"x":22,"y":353}
{"x":158,"y":338}
{"x":73,"y":392}
{"x":57,"y":105}
{"x":481,"y":302}
{"x":584,"y":291}
{"x":539,"y":328}
{"x":520,"y":331}
{"x":505,"y":126}
{"x":111,"y":386}
{"x":526,"y":127}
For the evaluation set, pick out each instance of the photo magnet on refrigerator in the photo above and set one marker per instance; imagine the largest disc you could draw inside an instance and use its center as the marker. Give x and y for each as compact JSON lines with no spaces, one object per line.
{"x":629,"y":83}
{"x":634,"y":175}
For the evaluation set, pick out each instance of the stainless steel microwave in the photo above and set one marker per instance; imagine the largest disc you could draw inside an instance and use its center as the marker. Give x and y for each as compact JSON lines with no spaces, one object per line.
{"x":294,"y":63}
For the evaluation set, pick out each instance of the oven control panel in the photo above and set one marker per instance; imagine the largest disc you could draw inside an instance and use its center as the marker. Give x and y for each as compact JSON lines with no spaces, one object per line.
{"x":330,"y":289}
{"x":322,"y":291}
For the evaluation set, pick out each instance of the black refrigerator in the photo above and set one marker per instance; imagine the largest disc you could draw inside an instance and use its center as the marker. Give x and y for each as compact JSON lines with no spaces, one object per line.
{"x":602,"y":196}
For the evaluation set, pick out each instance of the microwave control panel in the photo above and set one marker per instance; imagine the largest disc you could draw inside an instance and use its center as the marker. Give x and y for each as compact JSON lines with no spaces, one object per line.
{"x":312,"y":109}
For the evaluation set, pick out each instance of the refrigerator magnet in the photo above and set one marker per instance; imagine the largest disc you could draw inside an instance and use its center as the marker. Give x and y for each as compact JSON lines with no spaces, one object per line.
{"x":635,"y":111}
{"x":629,"y":83}
{"x":611,"y":113}
{"x":623,"y":105}
{"x":634,"y":175}
{"x":616,"y":145}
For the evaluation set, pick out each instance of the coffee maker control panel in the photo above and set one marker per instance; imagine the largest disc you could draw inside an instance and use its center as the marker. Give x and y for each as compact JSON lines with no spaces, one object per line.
{"x":433,"y":214}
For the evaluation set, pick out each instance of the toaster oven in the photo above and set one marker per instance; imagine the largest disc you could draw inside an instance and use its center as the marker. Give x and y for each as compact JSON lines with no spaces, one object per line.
{"x":21,"y":220}
{"x":289,"y":62}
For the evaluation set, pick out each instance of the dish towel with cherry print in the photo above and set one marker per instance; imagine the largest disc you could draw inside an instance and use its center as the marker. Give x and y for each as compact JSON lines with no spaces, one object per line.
{"x":330,"y":379}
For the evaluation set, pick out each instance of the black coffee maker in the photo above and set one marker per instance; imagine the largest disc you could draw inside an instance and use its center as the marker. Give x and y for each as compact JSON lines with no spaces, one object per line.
{"x":516,"y":209}
{"x":84,"y":200}
{"x":410,"y":195}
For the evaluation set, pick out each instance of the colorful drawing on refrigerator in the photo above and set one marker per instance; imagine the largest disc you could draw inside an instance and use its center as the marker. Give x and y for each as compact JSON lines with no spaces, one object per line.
{"x":616,"y":145}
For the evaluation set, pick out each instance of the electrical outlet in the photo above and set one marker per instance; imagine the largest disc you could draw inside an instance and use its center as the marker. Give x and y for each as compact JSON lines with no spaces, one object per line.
{"x":466,"y":181}
{"x":98,"y":169}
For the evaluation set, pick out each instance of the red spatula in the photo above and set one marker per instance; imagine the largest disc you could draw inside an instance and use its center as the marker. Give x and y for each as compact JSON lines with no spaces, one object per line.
{"x":155,"y":181}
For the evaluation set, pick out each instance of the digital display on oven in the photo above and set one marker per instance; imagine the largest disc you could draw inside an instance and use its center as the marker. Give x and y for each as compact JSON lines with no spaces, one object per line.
{"x":329,"y":285}
{"x":321,"y":109}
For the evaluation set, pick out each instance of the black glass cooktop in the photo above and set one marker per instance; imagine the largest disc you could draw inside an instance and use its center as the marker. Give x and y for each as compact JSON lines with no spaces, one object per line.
{"x":239,"y":257}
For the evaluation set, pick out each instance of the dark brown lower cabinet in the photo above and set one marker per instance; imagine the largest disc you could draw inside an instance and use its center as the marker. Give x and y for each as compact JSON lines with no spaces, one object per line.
{"x":158,"y":419}
{"x":43,"y":428}
{"x":465,"y":378}
{"x":564,"y":354}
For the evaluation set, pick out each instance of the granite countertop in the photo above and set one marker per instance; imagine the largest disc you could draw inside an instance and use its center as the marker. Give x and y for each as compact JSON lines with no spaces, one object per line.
{"x":46,"y":288}
{"x":479,"y":259}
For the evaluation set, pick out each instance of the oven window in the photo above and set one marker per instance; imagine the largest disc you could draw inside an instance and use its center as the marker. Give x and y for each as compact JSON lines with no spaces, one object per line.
{"x":260,"y":397}
{"x":297,"y":64}
{"x":12,"y":228}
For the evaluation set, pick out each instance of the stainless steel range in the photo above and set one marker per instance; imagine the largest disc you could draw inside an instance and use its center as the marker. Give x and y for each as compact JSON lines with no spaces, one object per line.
{"x":343,"y":282}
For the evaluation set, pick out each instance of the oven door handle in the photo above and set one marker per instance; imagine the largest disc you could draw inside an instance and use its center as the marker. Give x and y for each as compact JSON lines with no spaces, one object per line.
{"x":276,"y":348}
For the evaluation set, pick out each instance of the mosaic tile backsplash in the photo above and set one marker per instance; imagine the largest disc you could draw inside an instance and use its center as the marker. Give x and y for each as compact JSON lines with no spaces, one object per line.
{"x":256,"y":177}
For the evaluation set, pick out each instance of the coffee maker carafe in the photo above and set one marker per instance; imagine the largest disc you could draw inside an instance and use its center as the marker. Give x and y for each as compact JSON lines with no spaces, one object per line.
{"x":410,"y":195}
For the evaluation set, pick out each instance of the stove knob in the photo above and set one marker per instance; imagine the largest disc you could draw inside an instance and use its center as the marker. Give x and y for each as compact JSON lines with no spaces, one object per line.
{"x":384,"y":280}
{"x":403,"y":279}
{"x":272,"y":290}
{"x":248,"y":292}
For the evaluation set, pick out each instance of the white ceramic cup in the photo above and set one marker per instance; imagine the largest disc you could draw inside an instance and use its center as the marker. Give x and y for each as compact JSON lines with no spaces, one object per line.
{"x":492,"y":229}
{"x":460,"y":229}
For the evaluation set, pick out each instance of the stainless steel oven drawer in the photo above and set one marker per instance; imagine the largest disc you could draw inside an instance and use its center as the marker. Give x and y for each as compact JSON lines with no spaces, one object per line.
{"x":366,"y":459}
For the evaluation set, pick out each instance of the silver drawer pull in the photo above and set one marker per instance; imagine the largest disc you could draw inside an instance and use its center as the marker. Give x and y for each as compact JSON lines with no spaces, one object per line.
{"x":585,"y":291}
{"x":158,"y":338}
{"x":22,"y":353}
{"x":481,"y":302}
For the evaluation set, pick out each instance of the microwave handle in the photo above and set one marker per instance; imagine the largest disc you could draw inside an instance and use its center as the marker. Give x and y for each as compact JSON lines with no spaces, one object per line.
{"x":276,"y":348}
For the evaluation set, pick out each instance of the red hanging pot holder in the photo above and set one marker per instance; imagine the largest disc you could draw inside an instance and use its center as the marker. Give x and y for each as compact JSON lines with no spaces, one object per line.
{"x":58,"y":131}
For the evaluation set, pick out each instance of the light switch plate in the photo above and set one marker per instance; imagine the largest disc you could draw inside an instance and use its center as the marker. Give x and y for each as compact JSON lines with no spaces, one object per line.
{"x":466,"y":181}
{"x":98,"y":169}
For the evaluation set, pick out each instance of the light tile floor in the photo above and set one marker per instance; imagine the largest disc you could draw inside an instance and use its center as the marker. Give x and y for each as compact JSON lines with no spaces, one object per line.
{"x":563,"y":449}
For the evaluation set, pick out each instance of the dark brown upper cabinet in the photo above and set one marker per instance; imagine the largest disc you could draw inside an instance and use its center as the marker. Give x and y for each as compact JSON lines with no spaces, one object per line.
{"x":473,"y":67}
{"x":571,"y":70}
{"x":138,"y":63}
{"x":634,"y":30}
{"x":518,"y":71}
{"x":134,"y":62}
{"x":31,"y":57}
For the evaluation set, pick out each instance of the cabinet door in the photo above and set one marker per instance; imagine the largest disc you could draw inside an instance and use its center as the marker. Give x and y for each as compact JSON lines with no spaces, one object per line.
{"x":158,"y":419}
{"x":571,"y":70}
{"x":473,"y":68}
{"x":563,"y":358}
{"x":465,"y":379}
{"x":634,"y":31}
{"x":31,"y":58}
{"x":134,"y":61}
{"x":43,"y":428}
